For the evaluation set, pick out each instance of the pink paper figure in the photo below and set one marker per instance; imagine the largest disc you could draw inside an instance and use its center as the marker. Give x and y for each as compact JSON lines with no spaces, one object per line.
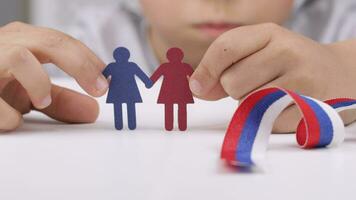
{"x":175,"y":87}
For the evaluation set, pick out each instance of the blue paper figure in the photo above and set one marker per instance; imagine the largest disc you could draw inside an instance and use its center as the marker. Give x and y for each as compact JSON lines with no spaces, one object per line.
{"x":123,"y":87}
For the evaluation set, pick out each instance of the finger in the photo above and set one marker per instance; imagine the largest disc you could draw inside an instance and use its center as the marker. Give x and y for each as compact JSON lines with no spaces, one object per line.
{"x":16,"y":96}
{"x":50,"y":37}
{"x":216,"y":93}
{"x":4,"y":81}
{"x":10,"y":119}
{"x":288,"y":120}
{"x":227,"y":50}
{"x":73,"y":57}
{"x":93,"y":57}
{"x":251,"y":73}
{"x":71,"y":107}
{"x":25,"y":68}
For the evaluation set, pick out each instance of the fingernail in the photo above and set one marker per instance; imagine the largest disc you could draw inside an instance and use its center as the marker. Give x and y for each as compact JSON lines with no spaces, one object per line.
{"x":45,"y":102}
{"x":101,"y":84}
{"x":195,"y":87}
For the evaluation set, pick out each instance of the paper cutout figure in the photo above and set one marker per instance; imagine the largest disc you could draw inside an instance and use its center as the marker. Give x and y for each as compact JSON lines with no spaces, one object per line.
{"x":123,"y":87}
{"x":175,"y":87}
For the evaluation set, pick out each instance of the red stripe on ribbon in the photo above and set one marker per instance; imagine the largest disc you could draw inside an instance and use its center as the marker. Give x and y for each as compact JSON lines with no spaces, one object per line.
{"x":309,"y":135}
{"x":237,"y":124}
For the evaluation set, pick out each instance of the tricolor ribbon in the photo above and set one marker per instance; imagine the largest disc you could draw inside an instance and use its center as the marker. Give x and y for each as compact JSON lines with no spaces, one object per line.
{"x":247,"y":136}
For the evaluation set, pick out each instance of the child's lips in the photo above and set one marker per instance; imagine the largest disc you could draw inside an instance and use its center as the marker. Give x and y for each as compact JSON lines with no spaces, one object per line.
{"x":215,"y":29}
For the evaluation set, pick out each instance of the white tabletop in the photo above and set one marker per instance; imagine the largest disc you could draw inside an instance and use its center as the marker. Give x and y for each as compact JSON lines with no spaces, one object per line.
{"x":46,"y":160}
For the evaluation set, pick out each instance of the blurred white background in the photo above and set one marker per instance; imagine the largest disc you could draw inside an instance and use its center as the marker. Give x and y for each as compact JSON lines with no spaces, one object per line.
{"x":50,"y":13}
{"x":11,"y":10}
{"x":57,"y":13}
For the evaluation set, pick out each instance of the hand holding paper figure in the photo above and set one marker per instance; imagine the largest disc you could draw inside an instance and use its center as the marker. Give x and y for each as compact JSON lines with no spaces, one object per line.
{"x":266,"y":55}
{"x":247,"y":136}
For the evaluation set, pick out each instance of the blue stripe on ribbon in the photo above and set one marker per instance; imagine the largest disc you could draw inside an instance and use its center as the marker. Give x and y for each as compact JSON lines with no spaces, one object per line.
{"x":248,"y":135}
{"x":326,"y":126}
{"x":343,"y":104}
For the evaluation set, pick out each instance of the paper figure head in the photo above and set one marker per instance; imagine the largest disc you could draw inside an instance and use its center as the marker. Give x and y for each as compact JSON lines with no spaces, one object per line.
{"x":121,"y":54}
{"x":175,"y":55}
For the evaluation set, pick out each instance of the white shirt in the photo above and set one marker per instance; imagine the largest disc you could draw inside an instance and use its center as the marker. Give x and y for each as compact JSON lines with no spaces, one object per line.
{"x":325,"y":21}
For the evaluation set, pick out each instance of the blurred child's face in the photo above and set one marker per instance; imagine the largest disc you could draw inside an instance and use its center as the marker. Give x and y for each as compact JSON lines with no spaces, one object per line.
{"x":188,"y":23}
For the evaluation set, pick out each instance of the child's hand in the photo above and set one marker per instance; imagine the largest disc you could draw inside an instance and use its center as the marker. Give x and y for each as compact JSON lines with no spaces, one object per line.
{"x":258,"y":56}
{"x":24,"y":84}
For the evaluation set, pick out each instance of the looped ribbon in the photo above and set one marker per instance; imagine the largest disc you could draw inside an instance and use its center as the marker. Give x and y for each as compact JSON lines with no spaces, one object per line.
{"x":247,"y":136}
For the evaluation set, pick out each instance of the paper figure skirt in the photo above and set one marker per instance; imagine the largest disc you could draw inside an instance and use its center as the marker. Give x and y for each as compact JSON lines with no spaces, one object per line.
{"x":172,"y":97}
{"x":123,"y":96}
